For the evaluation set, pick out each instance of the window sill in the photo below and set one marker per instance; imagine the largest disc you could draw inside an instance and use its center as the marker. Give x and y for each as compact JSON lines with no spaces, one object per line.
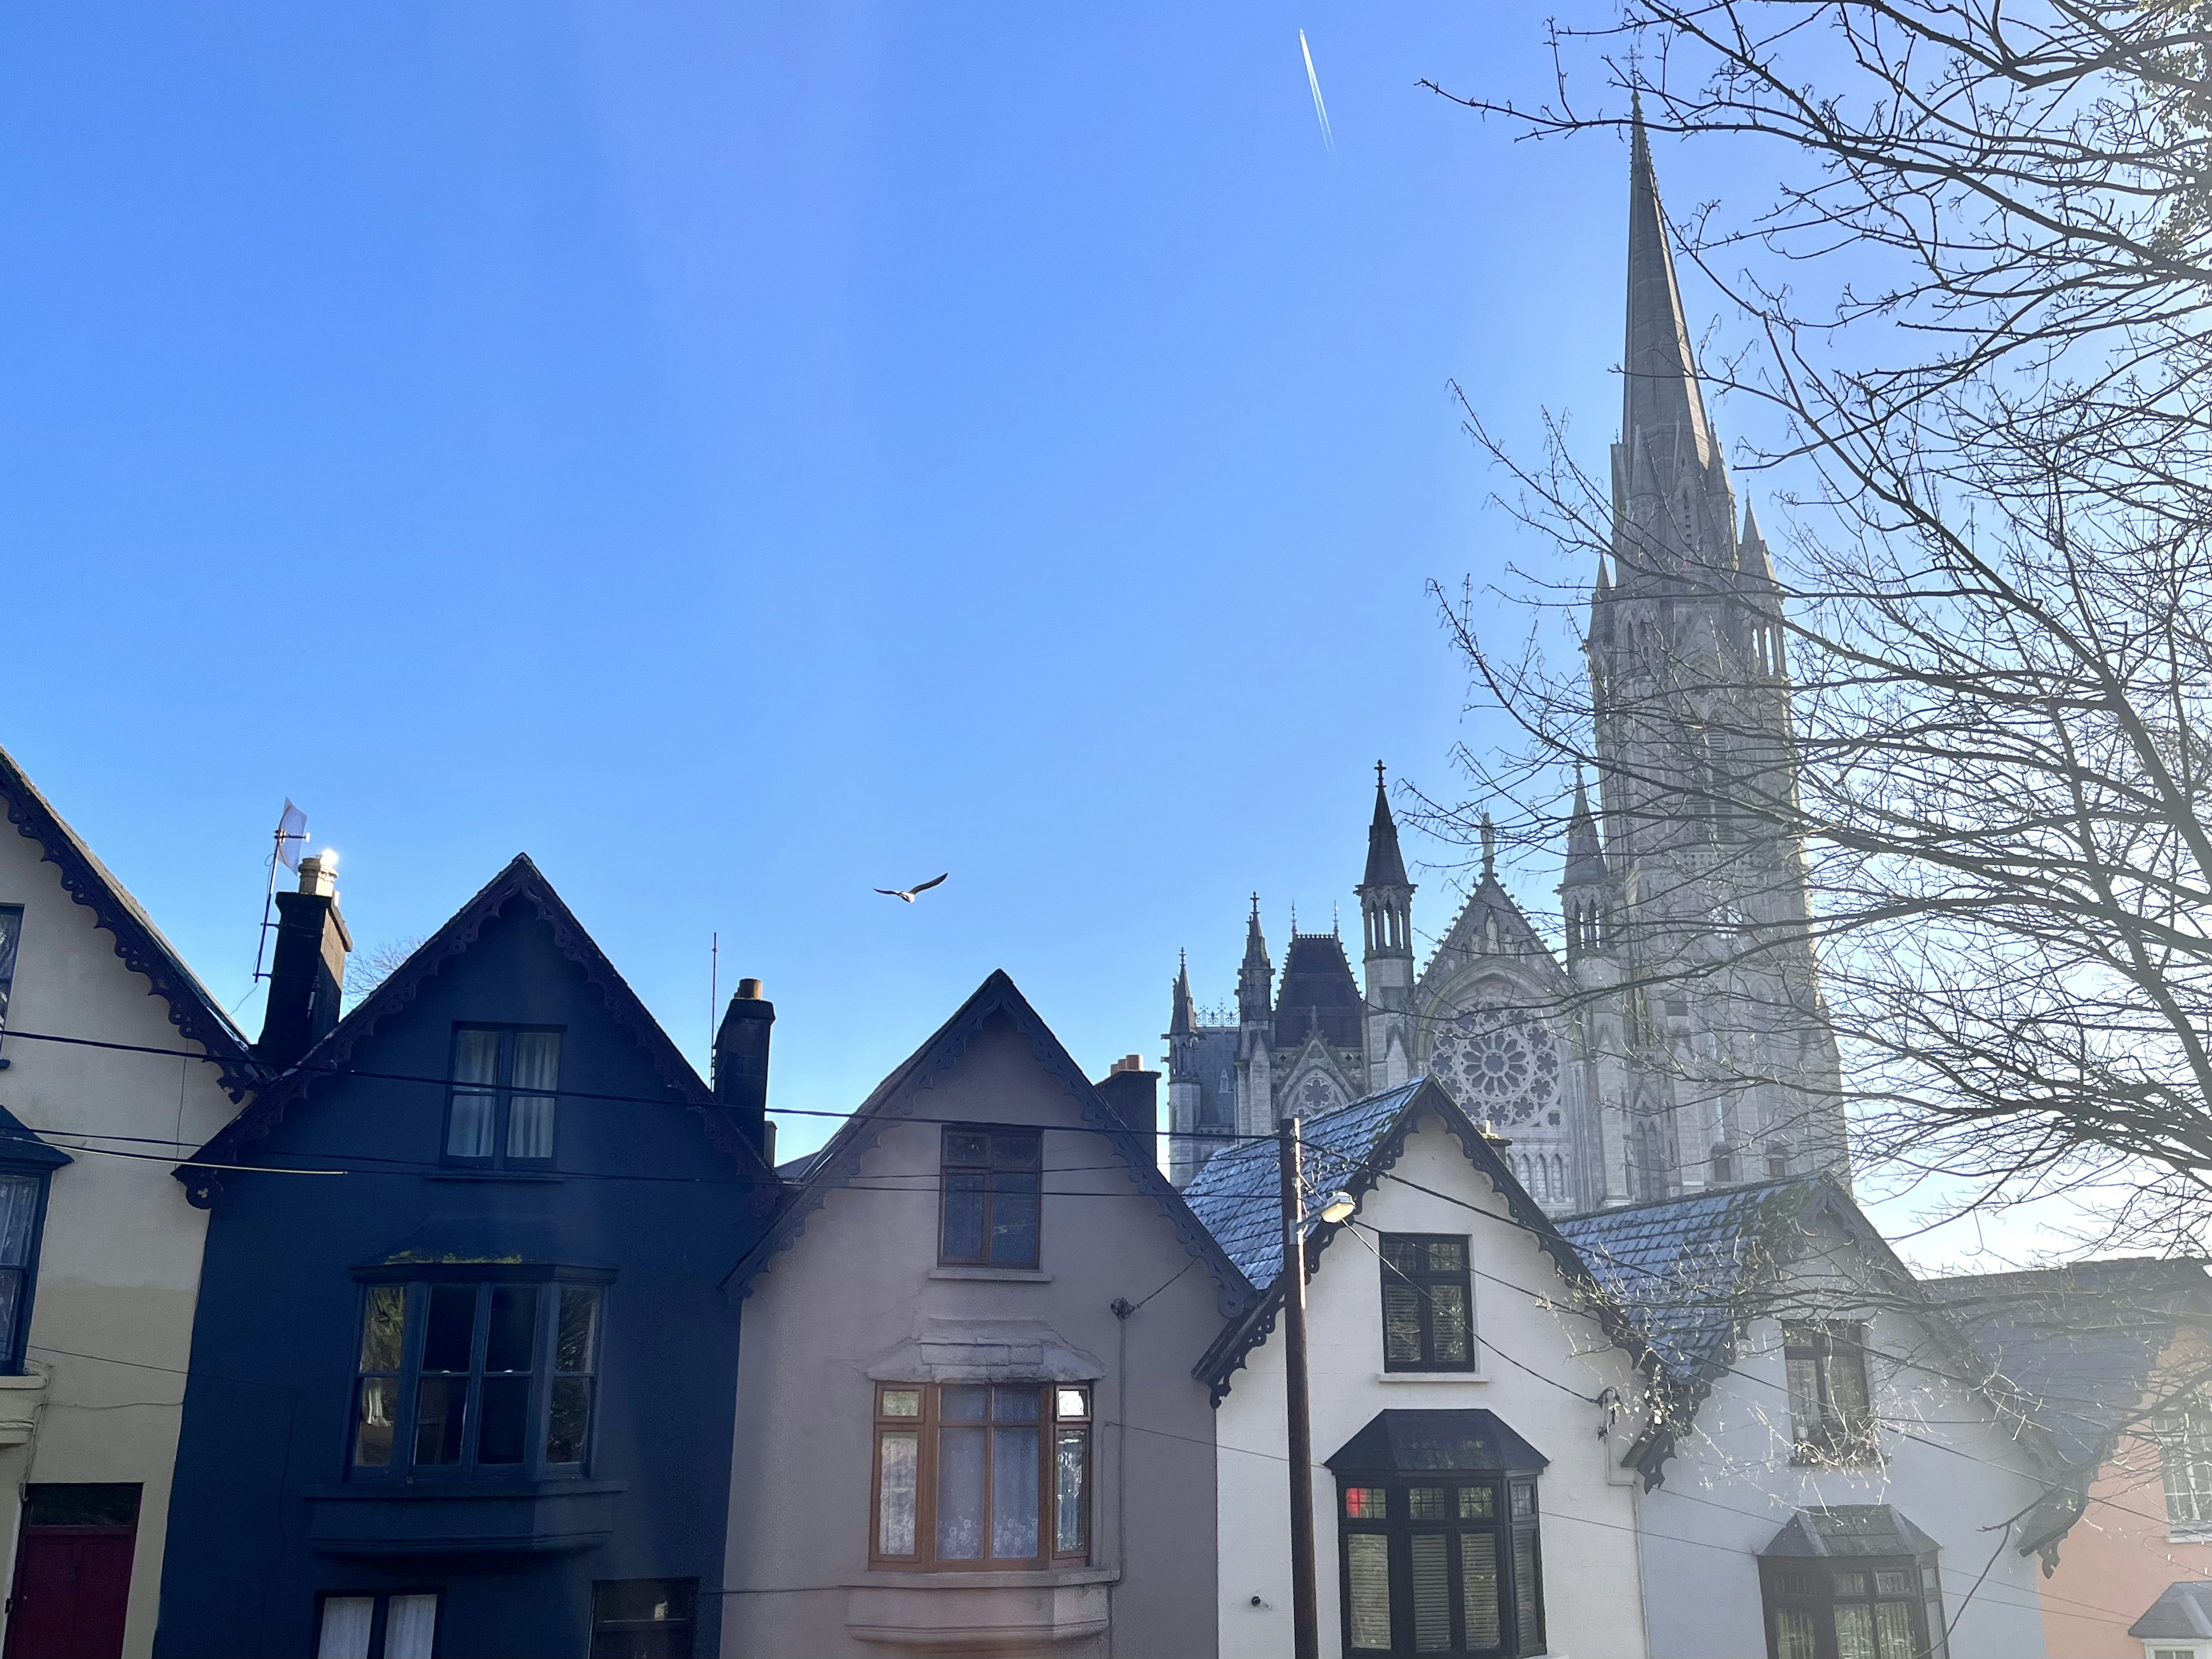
{"x":994,"y":1275}
{"x":968,"y":1612}
{"x":1432,"y":1377}
{"x":2197,"y":1533}
{"x":1840,"y":1458}
{"x":20,"y":1396}
{"x":533,"y":1176}
{"x":388,"y":1519}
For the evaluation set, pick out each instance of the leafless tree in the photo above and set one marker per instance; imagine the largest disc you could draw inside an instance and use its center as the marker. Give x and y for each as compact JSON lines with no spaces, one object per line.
{"x":367,"y":969}
{"x":1971,"y":324}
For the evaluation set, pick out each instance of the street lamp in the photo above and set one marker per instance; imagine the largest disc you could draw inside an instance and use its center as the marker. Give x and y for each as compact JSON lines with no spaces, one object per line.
{"x":1305,"y":1617}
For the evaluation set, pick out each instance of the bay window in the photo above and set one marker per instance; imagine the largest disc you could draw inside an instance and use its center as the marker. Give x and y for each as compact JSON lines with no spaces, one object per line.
{"x":1852,"y":1581}
{"x":981,"y":1475}
{"x":1448,"y":1565}
{"x":468,"y":1377}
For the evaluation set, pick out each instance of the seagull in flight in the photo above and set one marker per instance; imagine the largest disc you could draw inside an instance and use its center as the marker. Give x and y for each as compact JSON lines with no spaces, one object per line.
{"x":908,"y":893}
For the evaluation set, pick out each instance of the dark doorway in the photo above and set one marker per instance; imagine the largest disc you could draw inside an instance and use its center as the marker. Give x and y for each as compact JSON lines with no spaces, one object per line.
{"x":72,"y":1572}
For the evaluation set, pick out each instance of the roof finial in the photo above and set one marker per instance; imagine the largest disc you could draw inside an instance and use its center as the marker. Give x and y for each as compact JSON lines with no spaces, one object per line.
{"x":1378,"y":774}
{"x":1489,"y":849}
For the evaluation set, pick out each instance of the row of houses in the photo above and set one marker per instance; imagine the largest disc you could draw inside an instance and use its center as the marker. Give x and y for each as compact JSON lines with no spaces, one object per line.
{"x":476,"y":1322}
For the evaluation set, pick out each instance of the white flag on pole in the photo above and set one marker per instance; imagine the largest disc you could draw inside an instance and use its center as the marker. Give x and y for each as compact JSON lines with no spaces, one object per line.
{"x":291,"y":836}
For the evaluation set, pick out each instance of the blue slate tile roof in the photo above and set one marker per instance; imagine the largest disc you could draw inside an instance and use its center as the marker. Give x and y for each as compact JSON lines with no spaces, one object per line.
{"x":2080,"y":1343}
{"x":2182,"y":1612}
{"x":1681,"y":1268}
{"x":1237,"y":1197}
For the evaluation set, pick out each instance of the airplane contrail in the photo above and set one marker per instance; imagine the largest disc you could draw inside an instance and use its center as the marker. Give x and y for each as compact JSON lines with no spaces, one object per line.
{"x":1312,"y":81}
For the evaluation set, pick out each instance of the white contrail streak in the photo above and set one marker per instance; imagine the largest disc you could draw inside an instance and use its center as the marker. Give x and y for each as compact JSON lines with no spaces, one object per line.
{"x":1312,"y":81}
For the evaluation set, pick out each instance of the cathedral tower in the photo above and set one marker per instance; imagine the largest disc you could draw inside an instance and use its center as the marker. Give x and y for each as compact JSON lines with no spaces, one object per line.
{"x":1255,"y":1019}
{"x":1695,"y":896}
{"x":1385,"y":913}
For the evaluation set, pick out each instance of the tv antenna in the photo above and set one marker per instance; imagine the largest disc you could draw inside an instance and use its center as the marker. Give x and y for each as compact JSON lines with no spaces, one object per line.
{"x":291,"y":830}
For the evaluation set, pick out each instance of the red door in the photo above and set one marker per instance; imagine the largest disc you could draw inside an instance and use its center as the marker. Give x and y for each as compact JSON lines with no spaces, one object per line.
{"x":72,"y":1585}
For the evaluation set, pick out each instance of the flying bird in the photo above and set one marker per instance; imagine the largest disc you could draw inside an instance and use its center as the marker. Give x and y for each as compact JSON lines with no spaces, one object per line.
{"x":1313,"y":83}
{"x":907,"y":893}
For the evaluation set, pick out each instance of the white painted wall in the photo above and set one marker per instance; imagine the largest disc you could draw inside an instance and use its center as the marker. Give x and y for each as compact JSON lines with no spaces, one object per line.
{"x":1588,"y":1527}
{"x":119,"y":1275}
{"x":1948,"y":1468}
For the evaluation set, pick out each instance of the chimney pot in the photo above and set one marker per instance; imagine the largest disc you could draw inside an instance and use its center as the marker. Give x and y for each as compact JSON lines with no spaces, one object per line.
{"x":748,"y":990}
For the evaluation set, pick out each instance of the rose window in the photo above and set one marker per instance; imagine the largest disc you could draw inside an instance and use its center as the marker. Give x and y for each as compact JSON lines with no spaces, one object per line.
{"x":1498,"y":1064}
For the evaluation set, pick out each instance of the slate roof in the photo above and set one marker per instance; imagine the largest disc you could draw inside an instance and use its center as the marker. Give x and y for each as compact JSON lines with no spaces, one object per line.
{"x":192,"y":1008}
{"x":2081,"y":1343}
{"x":1848,"y":1529}
{"x":1682,"y":1267}
{"x":1318,"y":992}
{"x":906,"y":1087}
{"x":2183,"y":1611}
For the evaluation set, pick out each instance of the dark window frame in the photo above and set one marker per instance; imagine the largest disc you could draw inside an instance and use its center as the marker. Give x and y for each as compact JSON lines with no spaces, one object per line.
{"x":502,"y":1093}
{"x":1514,"y":1516}
{"x":1399,"y":1281}
{"x":11,"y":948}
{"x":926,"y":1424}
{"x":405,"y":1378}
{"x":1822,"y":1431}
{"x":996,"y":1179}
{"x":677,"y":1635}
{"x":380,"y":1616}
{"x":20,"y":1160}
{"x":1817,"y":1585}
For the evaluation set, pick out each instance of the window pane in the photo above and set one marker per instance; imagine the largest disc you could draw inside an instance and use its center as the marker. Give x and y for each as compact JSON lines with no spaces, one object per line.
{"x":1014,"y":1219}
{"x":1364,"y":1503}
{"x":1850,"y":1584}
{"x":1015,"y":1405}
{"x":1016,"y":1151}
{"x":898,"y":1465}
{"x":1939,"y":1643}
{"x":411,"y":1626}
{"x":1894,"y":1584}
{"x":574,"y":1349}
{"x":450,"y":1330}
{"x":1793,"y":1630}
{"x":963,"y":1218}
{"x":1071,"y":1529}
{"x":1401,"y":1255}
{"x":1447,"y":1309}
{"x":383,"y":1323}
{"x":569,"y":1424}
{"x":346,"y":1620}
{"x":504,"y":1416}
{"x":438,"y":1409}
{"x":19,"y":1203}
{"x":1804,"y":1399}
{"x":11,"y":1298}
{"x":966,"y":1146}
{"x":1528,"y":1587}
{"x":374,"y":1422}
{"x":510,"y":1344}
{"x":1014,"y":1480}
{"x":530,"y":1127}
{"x":1892,"y":1630}
{"x":960,"y":1493}
{"x":1854,"y":1631}
{"x":962,"y":1403}
{"x":1845,"y":1377}
{"x":538,"y":1061}
{"x":1477,"y":1502}
{"x":476,"y":1057}
{"x":1484,"y":1613}
{"x":1446,"y":1255}
{"x":901,"y":1402}
{"x":1431,"y":1594}
{"x":1425,"y":1502}
{"x":1524,"y":1500}
{"x":1368,"y":1566}
{"x":1401,"y":1322}
{"x":468,"y":1133}
{"x":1074,"y":1402}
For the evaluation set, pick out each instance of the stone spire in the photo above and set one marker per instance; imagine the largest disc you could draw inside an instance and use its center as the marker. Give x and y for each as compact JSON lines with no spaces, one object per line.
{"x":1661,"y":404}
{"x":1750,"y":555}
{"x":1585,"y":853}
{"x":1255,"y":978}
{"x":1184,"y":1020}
{"x":1386,"y":866}
{"x":1385,"y":916}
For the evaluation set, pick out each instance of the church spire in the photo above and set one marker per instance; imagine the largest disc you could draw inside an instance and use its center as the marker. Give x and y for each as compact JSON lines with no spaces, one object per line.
{"x":1660,"y":401}
{"x":1256,"y":977}
{"x":1184,"y":1020}
{"x":1386,"y":866}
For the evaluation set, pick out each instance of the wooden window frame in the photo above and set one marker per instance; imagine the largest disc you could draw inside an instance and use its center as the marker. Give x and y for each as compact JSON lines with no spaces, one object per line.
{"x":1811,"y":1584}
{"x":926,"y":1424}
{"x":551,"y":1287}
{"x":11,"y":951}
{"x":1508,"y":1522}
{"x":992,"y":1172}
{"x":502,"y":1093}
{"x":1393,"y":1274}
{"x":1832,"y":1438}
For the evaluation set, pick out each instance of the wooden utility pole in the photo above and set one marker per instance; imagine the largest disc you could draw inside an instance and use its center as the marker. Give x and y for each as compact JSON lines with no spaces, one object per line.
{"x":1305,"y":1618}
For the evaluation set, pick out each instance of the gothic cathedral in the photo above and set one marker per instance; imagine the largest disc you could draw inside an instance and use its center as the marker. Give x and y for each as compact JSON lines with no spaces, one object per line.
{"x":1683,"y":1044}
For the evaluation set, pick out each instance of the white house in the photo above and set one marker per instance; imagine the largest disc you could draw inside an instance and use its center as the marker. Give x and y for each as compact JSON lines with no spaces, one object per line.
{"x":100,"y":1252}
{"x":1467,"y":1491}
{"x":1831,"y":1471}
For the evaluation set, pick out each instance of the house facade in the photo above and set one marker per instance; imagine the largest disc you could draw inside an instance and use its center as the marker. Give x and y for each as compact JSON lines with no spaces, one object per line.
{"x":463,"y":1369}
{"x":111,"y":1054}
{"x":1829,"y":1472}
{"x":967,"y":1419}
{"x":1466,"y":1492}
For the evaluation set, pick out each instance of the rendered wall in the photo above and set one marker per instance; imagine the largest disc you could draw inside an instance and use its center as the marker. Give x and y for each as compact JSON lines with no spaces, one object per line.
{"x":1588,"y":1527}
{"x":857,"y":1283}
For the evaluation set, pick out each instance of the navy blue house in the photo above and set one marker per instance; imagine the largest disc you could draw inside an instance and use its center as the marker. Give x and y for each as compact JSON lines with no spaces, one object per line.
{"x":473,"y":1394}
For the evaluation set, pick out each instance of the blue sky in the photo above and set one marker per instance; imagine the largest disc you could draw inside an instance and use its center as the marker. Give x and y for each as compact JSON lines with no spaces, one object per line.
{"x":747,"y":456}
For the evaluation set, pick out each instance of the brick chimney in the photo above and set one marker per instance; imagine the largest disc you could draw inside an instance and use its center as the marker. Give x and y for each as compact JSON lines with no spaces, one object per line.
{"x":1133,"y":1095}
{"x":741,"y":1066}
{"x":306,"y":974}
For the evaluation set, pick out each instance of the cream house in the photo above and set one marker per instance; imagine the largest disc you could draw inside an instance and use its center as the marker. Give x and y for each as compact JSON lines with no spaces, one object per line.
{"x":1467,"y":1493}
{"x":113,"y":1058}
